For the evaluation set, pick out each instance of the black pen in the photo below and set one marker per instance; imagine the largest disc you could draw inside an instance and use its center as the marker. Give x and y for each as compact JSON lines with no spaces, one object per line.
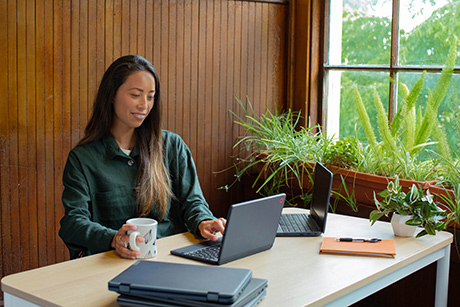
{"x":373,"y":240}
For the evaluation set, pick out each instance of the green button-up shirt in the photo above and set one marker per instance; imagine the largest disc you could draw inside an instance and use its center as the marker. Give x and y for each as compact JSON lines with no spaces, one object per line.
{"x":99,"y":196}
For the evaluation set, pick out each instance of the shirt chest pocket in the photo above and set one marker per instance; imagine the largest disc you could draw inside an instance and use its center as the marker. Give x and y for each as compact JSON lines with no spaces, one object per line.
{"x":113,"y":208}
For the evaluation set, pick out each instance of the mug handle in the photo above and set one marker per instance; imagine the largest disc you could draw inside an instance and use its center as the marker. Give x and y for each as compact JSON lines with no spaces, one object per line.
{"x":132,"y":240}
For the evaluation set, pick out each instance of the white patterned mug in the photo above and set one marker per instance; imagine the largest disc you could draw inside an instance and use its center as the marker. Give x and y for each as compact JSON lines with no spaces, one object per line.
{"x":146,"y":228}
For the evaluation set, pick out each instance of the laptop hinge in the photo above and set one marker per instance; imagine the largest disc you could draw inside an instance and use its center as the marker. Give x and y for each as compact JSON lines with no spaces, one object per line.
{"x":124,"y":288}
{"x":213,"y":296}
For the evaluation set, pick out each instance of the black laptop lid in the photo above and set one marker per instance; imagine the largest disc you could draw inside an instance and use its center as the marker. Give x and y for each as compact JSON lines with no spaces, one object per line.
{"x":321,"y":195}
{"x":184,"y":281}
{"x":251,"y":227}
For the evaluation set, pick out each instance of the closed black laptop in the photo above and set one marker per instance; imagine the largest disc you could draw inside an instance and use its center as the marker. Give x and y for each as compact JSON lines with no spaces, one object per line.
{"x":251,"y":296}
{"x":251,"y":228}
{"x":182,"y":281}
{"x":313,"y":224}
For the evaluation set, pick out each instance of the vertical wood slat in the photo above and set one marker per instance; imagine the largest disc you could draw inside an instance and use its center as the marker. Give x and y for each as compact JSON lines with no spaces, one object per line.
{"x":57,"y":123}
{"x":22,"y":131}
{"x":12,"y":214}
{"x":31,"y":143}
{"x":206,"y":53}
{"x":48,"y":132}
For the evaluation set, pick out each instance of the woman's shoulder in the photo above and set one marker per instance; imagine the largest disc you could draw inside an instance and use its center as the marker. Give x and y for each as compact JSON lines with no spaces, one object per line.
{"x":88,"y":149}
{"x":171,"y":138}
{"x":173,"y":144}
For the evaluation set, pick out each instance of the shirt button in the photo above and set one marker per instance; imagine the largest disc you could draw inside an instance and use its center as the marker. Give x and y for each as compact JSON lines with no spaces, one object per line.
{"x":130,"y":162}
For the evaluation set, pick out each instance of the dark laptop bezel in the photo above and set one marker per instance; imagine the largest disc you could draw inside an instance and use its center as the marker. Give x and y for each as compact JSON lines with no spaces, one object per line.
{"x":316,"y":203}
{"x":223,"y":258}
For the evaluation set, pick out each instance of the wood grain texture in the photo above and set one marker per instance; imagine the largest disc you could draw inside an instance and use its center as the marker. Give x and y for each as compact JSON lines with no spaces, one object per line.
{"x":55,"y":52}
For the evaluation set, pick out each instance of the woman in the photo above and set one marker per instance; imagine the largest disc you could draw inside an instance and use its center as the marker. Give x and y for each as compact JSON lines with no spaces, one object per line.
{"x":126,"y":166}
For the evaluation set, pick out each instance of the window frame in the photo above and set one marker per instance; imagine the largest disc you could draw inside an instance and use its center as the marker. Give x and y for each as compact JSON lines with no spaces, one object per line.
{"x":393,"y":68}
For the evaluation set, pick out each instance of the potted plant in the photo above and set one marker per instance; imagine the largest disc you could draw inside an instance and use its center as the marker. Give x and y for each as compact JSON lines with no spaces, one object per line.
{"x":404,"y":139}
{"x":415,"y":208}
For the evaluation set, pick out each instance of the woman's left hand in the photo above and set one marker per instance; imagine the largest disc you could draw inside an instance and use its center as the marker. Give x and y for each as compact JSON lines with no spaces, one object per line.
{"x":208,"y":229}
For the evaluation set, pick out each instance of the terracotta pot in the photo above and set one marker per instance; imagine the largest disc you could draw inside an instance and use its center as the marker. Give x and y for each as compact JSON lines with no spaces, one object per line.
{"x":360,"y":185}
{"x":363,"y":185}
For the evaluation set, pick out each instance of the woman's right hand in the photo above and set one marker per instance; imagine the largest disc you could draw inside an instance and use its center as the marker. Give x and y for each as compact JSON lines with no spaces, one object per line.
{"x":120,"y":242}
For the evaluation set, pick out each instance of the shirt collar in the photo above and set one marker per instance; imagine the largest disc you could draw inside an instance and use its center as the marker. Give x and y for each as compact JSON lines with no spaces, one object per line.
{"x":113,"y":150}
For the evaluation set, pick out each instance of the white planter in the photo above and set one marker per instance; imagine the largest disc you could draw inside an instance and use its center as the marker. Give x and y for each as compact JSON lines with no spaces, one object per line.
{"x":400,"y":229}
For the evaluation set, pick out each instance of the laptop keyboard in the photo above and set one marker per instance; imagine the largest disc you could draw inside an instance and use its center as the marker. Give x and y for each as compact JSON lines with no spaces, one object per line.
{"x":296,"y":223}
{"x":208,"y":253}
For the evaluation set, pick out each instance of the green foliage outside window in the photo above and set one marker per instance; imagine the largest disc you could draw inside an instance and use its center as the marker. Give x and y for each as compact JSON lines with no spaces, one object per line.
{"x":427,"y":44}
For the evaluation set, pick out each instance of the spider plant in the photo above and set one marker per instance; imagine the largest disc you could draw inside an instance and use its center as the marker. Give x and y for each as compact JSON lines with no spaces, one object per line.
{"x":280,"y":148}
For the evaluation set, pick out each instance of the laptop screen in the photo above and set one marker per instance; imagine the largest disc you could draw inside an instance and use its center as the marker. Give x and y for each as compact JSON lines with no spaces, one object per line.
{"x":321,"y":195}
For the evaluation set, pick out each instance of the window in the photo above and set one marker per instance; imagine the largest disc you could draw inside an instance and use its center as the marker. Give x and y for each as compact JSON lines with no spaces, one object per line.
{"x":370,"y":42}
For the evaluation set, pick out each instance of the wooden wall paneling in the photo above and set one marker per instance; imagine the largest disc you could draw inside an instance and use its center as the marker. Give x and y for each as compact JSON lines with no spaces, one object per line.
{"x":40,"y":139}
{"x":206,"y":53}
{"x":141,"y":23}
{"x":66,"y":109}
{"x":133,"y":28}
{"x":171,"y":66}
{"x":316,"y":59}
{"x":125,"y":13}
{"x":91,"y":61}
{"x":74,"y":76}
{"x":200,"y":157}
{"x":164,"y":62}
{"x":22,"y":132}
{"x":117,"y":32}
{"x":237,"y":30}
{"x":101,"y":26}
{"x":4,"y":169}
{"x":263,"y":39}
{"x":221,"y":114}
{"x":210,"y":75}
{"x":230,"y":100}
{"x":250,"y":53}
{"x":49,"y":133}
{"x":186,"y":79}
{"x":194,"y":80}
{"x":215,"y":124}
{"x":179,"y":113}
{"x":82,"y":69}
{"x":31,"y":146}
{"x":57,"y":114}
{"x":149,"y":30}
{"x":12,"y":215}
{"x":109,"y":37}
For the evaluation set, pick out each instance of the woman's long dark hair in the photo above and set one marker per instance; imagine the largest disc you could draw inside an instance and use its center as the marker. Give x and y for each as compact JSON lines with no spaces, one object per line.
{"x":153,"y":185}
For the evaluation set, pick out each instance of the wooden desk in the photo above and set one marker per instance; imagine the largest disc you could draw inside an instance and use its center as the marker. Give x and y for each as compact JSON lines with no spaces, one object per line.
{"x":297,"y":274}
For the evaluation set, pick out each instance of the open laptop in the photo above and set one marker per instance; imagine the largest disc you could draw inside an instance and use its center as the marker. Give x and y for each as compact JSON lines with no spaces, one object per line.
{"x":251,"y":228}
{"x":314,"y":223}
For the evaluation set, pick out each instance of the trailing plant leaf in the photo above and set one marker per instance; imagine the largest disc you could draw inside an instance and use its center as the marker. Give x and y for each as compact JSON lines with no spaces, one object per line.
{"x":418,"y":203}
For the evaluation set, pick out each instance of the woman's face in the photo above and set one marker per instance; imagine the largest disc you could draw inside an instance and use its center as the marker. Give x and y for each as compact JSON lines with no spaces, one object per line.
{"x":133,"y":101}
